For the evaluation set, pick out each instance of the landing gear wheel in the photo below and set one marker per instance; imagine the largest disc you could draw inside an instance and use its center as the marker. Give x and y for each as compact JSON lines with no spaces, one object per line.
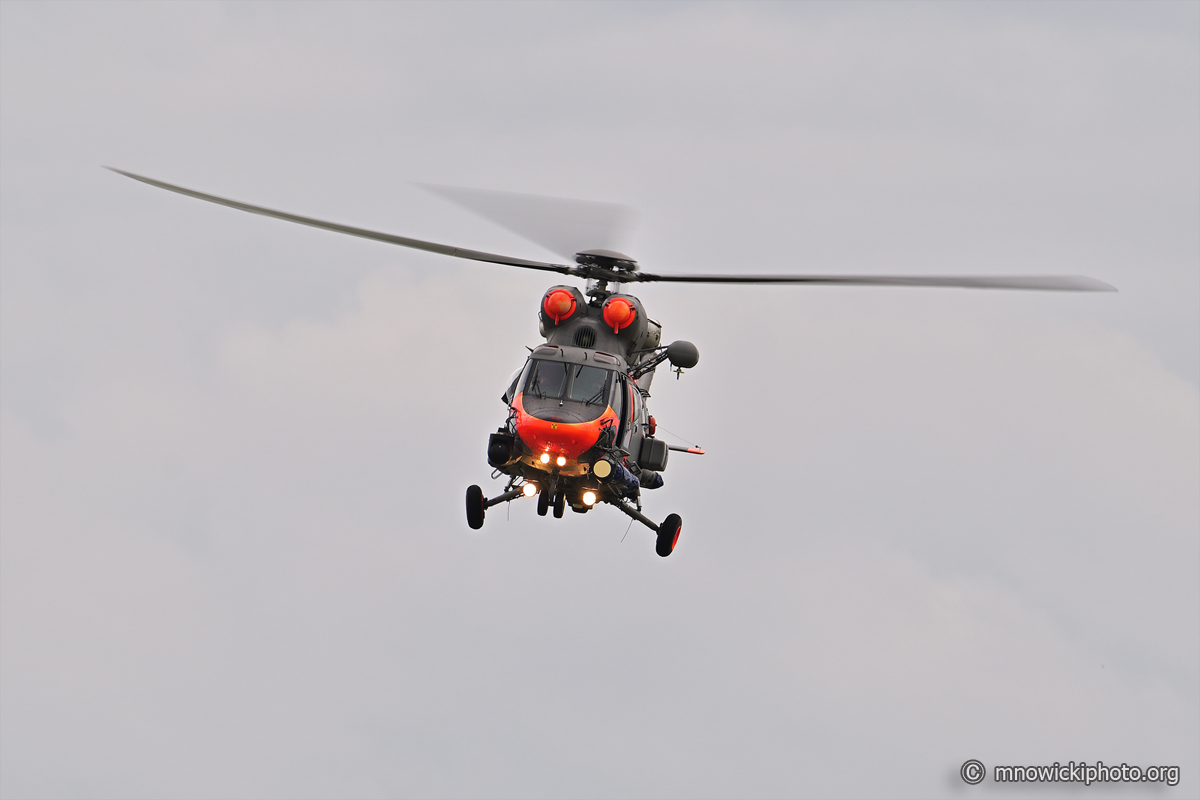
{"x":543,"y":503}
{"x":668,"y":535}
{"x":476,"y":506}
{"x":560,"y":504}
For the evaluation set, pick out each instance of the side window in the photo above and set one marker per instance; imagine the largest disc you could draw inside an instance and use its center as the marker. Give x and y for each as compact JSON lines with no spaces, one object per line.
{"x":618,"y":397}
{"x":620,"y":405}
{"x":511,"y":392}
{"x":632,"y":437}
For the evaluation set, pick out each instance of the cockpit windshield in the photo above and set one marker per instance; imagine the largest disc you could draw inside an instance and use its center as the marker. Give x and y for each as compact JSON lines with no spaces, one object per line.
{"x":556,"y":380}
{"x":547,"y":379}
{"x":588,"y":384}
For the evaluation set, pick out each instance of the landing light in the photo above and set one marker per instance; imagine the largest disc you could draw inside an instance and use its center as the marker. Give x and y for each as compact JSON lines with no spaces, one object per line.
{"x":589,"y":498}
{"x":530,"y":490}
{"x":561,"y":461}
{"x":545,"y":459}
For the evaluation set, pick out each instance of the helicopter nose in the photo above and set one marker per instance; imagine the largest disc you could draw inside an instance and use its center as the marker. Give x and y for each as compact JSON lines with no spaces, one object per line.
{"x":558,"y":441}
{"x":555,"y":444}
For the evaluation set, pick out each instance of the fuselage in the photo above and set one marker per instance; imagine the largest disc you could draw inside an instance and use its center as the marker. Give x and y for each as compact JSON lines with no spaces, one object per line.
{"x":577,"y":401}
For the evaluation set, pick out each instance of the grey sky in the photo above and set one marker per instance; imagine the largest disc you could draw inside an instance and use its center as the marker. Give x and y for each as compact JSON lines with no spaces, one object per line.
{"x":931,"y":525}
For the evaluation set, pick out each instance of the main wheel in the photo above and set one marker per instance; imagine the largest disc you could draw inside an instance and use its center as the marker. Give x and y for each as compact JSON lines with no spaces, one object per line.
{"x":560,"y":504}
{"x":476,"y":506}
{"x":668,"y":535}
{"x":543,"y":502}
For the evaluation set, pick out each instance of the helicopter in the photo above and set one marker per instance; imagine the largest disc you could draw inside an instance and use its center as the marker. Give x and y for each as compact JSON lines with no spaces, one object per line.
{"x":578,"y":431}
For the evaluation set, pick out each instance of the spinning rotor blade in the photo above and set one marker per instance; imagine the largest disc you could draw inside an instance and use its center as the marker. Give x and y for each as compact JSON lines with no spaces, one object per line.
{"x":416,"y":244}
{"x":1048,"y":283}
{"x":559,"y":224}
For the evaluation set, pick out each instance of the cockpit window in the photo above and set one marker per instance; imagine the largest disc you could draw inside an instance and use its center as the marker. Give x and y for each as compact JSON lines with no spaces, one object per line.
{"x":547,"y":379}
{"x":588,"y":384}
{"x":557,"y":380}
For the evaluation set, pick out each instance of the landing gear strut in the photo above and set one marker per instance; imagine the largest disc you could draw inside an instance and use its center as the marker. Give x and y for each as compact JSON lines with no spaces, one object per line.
{"x":667,"y":533}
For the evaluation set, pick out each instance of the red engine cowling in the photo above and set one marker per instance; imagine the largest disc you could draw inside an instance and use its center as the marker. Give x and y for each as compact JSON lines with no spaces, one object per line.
{"x":619,"y":312}
{"x":560,"y":304}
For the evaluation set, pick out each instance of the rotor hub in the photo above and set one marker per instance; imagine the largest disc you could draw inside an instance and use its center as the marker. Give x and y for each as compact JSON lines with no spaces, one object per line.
{"x":606,"y":259}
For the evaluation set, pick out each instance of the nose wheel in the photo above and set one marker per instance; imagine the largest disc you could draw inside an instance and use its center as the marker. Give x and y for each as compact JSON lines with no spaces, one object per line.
{"x":546,"y":498}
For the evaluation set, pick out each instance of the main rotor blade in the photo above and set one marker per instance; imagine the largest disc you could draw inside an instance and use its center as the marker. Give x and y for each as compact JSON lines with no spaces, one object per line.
{"x":416,"y":244}
{"x":1045,"y":283}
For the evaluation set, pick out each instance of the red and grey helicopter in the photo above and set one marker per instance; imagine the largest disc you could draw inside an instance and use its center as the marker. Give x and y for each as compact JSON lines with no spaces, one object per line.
{"x":578,"y":431}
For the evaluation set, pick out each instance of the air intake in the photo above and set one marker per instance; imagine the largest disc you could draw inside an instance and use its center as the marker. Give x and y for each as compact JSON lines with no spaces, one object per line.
{"x":585,"y":336}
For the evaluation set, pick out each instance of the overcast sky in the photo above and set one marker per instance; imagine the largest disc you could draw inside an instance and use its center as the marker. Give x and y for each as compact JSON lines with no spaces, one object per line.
{"x":931,"y":525}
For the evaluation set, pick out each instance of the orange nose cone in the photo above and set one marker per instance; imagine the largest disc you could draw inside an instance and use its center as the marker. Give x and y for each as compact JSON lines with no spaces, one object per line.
{"x":559,"y":305}
{"x":618,"y":313}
